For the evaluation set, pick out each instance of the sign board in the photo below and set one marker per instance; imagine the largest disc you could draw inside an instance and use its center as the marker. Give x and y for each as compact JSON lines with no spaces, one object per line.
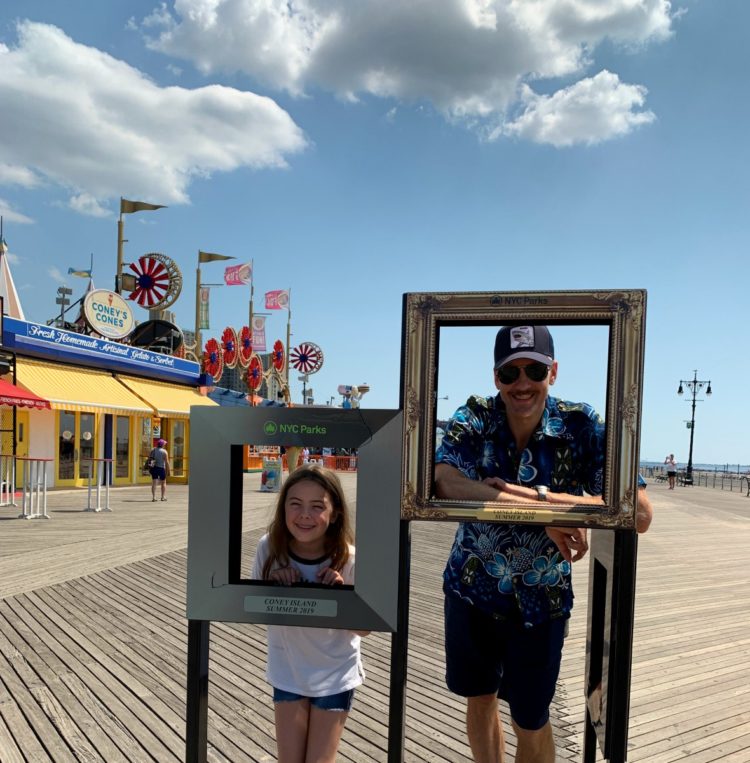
{"x":215,"y":587}
{"x":108,"y":314}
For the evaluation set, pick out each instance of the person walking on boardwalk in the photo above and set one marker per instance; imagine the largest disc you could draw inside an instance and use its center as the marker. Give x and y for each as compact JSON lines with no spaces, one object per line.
{"x":671,"y":465}
{"x":159,"y":469}
{"x":313,"y":671}
{"x":507,"y":587}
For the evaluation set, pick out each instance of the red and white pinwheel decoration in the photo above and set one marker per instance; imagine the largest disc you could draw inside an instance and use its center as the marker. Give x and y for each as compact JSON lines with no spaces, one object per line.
{"x":278,"y":355}
{"x":307,"y":358}
{"x":254,"y":375}
{"x":229,"y":346}
{"x":158,"y":281}
{"x":245,"y":347}
{"x":213,"y":362}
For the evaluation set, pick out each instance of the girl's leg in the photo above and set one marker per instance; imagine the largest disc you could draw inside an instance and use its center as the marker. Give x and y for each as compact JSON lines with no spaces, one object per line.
{"x":323,"y":734}
{"x":292,"y":720}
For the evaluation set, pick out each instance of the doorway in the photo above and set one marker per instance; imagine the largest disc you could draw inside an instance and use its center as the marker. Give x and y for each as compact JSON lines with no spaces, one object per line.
{"x":76,"y":445}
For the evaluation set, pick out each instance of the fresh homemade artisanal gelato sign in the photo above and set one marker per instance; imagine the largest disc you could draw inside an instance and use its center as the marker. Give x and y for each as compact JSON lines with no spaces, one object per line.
{"x":68,"y":346}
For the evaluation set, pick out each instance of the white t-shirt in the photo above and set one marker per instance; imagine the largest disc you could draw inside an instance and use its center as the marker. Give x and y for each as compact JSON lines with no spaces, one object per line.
{"x":313,"y":662}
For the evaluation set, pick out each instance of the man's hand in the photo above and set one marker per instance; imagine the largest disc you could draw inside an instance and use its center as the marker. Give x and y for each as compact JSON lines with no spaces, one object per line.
{"x":572,"y":542}
{"x":285,"y":576}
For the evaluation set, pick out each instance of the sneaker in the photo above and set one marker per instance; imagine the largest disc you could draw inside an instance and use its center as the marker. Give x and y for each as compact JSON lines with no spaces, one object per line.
{"x":153,"y":500}
{"x":164,"y":499}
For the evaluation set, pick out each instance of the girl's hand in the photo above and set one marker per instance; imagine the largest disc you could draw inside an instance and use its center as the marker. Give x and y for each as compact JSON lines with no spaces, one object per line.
{"x":329,"y":576}
{"x":285,"y":576}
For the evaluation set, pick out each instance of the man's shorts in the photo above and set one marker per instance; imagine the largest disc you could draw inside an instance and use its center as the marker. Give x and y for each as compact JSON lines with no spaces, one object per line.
{"x":485,"y":655}
{"x":341,"y":702}
{"x":158,"y":473}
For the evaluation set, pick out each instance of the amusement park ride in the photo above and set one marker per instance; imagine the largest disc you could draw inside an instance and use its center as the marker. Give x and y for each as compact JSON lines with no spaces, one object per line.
{"x":155,"y":282}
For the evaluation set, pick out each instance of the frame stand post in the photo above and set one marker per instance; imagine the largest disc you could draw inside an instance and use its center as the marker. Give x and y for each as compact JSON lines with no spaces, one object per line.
{"x":196,"y":736}
{"x":399,"y":651}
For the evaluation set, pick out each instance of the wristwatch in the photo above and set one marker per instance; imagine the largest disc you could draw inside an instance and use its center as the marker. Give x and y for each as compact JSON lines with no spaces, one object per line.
{"x":541,"y":492}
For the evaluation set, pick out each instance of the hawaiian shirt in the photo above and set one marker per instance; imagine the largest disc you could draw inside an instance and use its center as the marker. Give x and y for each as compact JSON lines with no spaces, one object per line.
{"x":515,"y":571}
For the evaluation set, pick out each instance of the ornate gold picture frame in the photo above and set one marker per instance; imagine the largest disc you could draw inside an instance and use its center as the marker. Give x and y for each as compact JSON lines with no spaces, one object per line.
{"x":622,"y":311}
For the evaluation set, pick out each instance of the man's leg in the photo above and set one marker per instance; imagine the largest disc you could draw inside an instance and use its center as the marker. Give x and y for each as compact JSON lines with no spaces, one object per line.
{"x":483,"y":729}
{"x":535,"y":746}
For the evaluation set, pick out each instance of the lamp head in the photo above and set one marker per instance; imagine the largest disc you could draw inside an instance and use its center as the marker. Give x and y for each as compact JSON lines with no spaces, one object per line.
{"x":708,"y":391}
{"x":679,"y":389}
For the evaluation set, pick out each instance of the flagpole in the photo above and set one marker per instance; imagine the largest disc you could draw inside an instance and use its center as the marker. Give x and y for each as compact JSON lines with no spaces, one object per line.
{"x":198,"y":310}
{"x":118,"y":276}
{"x":288,"y":337}
{"x":252,"y":294}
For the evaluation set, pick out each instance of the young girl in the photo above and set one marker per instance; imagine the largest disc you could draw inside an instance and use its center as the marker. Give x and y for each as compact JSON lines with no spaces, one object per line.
{"x":313,"y":671}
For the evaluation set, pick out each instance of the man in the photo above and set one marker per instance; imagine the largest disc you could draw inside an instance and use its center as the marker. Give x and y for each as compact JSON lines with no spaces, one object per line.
{"x":508,"y":588}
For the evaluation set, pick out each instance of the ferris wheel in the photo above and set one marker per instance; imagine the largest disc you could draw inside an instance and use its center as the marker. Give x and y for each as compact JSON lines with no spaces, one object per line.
{"x":307,"y":358}
{"x":158,"y":281}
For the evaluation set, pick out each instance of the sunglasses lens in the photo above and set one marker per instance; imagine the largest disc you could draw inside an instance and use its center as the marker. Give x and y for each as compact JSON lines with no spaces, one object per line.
{"x":508,"y":374}
{"x":536,"y":371}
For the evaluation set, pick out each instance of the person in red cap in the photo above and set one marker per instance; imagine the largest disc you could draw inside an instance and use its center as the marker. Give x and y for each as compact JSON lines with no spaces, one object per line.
{"x":508,"y":593}
{"x":159,"y":469}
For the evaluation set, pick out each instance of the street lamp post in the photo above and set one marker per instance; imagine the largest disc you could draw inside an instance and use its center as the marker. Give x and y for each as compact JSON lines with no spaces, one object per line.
{"x":695,"y":385}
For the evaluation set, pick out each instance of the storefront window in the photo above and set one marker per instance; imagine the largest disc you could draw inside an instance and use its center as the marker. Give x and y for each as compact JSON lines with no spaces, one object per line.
{"x":87,"y":444}
{"x":122,"y":446}
{"x":66,"y":448}
{"x":145,"y":445}
{"x":178,"y":455}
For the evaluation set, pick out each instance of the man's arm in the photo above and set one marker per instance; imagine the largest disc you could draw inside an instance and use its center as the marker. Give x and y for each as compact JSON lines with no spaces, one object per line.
{"x":644,"y":511}
{"x":451,"y":483}
{"x":572,"y":542}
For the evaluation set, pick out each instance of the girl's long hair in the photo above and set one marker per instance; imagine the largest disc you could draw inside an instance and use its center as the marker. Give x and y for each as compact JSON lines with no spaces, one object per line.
{"x":339,"y":535}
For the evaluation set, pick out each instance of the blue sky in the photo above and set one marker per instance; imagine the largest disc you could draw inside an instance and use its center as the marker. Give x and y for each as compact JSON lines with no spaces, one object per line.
{"x":359,"y":151}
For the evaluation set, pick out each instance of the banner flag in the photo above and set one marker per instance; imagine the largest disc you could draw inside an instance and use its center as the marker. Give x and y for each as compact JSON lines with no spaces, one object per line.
{"x":203,"y":310}
{"x":212,"y":257}
{"x":259,"y":333}
{"x":126,"y":207}
{"x":238,"y":275}
{"x":79,"y":273}
{"x":277,"y":300}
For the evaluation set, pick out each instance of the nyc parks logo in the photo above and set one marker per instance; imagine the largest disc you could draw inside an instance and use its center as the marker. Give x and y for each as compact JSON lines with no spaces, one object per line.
{"x":272,"y":428}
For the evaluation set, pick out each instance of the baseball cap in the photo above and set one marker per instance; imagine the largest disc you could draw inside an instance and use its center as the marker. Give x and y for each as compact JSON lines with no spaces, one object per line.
{"x":532,"y":342}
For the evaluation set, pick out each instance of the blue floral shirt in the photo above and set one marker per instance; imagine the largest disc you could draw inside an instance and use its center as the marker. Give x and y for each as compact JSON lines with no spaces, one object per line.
{"x":515,"y":571}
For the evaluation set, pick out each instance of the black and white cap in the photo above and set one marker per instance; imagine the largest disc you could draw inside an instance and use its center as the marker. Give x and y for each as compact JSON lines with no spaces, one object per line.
{"x":532,"y":342}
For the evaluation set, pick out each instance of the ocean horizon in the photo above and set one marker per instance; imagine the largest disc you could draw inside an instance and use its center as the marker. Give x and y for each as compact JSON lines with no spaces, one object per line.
{"x":727,"y":468}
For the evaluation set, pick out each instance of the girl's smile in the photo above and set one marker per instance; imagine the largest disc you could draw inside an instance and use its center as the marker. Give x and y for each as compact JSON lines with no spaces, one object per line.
{"x":308,"y":512}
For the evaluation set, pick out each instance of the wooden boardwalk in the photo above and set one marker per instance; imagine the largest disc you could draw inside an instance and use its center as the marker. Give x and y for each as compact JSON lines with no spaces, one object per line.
{"x":93,"y":641}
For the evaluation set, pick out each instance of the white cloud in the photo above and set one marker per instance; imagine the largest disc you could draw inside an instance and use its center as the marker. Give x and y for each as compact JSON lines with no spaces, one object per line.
{"x":473,"y":60}
{"x":590,"y":111}
{"x":100,"y":128}
{"x":12,"y":174}
{"x":88,"y":205}
{"x":10,"y":215}
{"x":56,"y":274}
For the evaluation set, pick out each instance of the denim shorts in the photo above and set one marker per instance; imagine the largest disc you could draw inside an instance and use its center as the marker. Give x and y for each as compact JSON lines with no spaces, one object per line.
{"x":485,"y":655}
{"x":158,"y":473}
{"x":341,"y":702}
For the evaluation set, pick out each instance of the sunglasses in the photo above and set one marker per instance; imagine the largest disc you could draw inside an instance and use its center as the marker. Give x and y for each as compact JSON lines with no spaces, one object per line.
{"x":536,"y":372}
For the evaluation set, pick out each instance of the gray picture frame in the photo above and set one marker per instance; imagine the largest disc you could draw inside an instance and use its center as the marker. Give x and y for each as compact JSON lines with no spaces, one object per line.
{"x":622,"y":311}
{"x":215,"y":590}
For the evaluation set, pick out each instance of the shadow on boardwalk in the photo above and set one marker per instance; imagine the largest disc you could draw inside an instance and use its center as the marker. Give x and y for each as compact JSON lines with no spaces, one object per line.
{"x":93,"y":639}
